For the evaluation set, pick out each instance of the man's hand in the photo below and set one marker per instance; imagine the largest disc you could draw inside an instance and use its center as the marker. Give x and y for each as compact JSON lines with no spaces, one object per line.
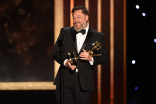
{"x":85,"y":56}
{"x":68,"y":64}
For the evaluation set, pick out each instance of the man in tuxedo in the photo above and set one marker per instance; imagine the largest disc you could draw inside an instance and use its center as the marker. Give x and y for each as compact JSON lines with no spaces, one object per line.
{"x":77,"y":81}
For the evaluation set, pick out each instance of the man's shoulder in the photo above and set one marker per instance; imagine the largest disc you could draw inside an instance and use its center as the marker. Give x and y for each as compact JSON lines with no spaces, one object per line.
{"x":96,"y":32}
{"x":66,"y":28}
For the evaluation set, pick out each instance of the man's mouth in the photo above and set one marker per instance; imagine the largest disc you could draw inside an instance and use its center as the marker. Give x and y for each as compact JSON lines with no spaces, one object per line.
{"x":77,"y":23}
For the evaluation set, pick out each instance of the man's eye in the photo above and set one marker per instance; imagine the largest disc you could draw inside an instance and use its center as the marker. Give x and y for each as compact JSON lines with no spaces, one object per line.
{"x":78,"y":17}
{"x":73,"y":18}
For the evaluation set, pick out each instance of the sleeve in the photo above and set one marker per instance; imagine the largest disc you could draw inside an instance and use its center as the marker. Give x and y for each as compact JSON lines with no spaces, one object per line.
{"x":56,"y":49}
{"x":103,"y":58}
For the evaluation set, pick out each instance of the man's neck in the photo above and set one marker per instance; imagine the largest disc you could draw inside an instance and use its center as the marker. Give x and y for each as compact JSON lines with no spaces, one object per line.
{"x":86,"y":26}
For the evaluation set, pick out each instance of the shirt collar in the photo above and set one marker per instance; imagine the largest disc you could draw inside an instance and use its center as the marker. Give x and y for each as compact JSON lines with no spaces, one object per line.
{"x":87,"y":28}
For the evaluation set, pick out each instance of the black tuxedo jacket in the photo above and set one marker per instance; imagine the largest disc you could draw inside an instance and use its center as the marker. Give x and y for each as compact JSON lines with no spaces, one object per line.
{"x":85,"y":70}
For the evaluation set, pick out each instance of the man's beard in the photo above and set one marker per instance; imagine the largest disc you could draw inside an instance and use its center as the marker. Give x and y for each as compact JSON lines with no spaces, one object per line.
{"x":80,"y":28}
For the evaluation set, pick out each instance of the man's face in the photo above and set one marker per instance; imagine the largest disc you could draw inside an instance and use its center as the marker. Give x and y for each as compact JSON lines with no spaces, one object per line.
{"x":79,"y":20}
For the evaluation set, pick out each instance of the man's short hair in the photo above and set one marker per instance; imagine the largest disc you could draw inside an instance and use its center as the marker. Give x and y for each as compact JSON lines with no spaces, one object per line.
{"x":84,"y":10}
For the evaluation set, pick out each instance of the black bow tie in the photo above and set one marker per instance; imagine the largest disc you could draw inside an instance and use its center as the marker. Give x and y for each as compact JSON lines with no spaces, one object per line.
{"x":82,"y":31}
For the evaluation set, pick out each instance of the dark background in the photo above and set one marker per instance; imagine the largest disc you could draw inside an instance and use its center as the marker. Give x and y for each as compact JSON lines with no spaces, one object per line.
{"x":140,"y":47}
{"x":26,"y":40}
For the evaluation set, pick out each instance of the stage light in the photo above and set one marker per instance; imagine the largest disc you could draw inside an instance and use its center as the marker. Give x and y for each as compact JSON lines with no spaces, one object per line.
{"x":137,"y":6}
{"x":154,"y":40}
{"x":136,"y":88}
{"x":143,"y":14}
{"x":133,"y":61}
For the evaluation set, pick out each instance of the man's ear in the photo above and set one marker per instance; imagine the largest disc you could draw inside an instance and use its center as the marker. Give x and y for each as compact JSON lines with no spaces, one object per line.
{"x":87,"y":17}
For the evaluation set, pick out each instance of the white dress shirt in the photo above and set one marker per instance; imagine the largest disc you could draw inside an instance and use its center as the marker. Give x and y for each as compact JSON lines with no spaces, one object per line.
{"x":80,"y":38}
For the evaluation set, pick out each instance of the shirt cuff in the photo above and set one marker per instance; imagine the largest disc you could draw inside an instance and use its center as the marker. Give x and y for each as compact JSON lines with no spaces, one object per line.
{"x":91,"y":62}
{"x":65,"y":62}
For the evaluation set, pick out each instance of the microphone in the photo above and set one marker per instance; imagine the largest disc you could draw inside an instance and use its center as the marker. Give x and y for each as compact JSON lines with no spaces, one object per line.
{"x":60,"y":42}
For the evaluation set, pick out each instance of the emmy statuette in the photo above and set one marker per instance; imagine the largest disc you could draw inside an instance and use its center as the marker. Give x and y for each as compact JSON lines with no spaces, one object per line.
{"x":96,"y":47}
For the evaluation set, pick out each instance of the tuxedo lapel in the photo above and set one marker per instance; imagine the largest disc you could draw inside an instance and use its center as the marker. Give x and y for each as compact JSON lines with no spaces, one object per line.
{"x":89,"y":34}
{"x":73,"y":34}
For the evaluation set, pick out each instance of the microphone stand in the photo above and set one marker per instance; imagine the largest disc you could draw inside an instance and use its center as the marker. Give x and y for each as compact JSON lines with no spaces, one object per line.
{"x":60,"y":44}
